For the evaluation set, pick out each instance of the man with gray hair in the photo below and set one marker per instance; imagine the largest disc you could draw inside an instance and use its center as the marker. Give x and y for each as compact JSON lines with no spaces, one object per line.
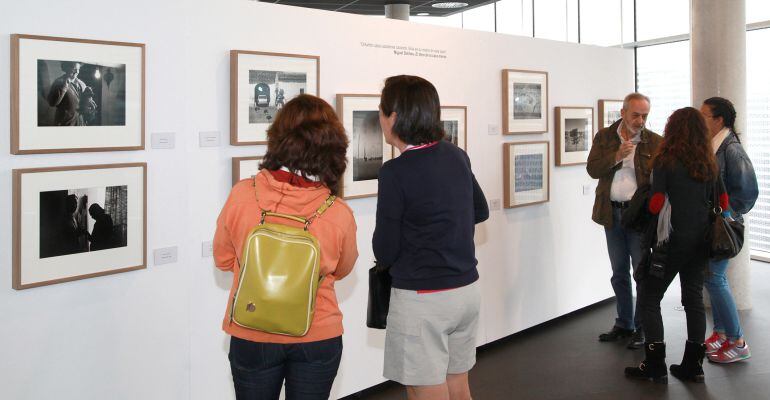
{"x":620,"y":160}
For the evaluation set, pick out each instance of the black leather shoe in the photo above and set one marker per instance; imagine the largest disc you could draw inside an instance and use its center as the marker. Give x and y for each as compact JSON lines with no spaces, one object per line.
{"x":614,"y":334}
{"x":637,"y":340}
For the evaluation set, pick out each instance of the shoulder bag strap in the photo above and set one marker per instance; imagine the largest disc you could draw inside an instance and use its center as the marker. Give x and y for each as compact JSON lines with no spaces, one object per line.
{"x":716,"y":208}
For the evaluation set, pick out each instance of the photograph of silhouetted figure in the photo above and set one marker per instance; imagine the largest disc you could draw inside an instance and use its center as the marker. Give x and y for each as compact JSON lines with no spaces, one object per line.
{"x":101,"y":237}
{"x":73,"y":221}
{"x":60,"y":229}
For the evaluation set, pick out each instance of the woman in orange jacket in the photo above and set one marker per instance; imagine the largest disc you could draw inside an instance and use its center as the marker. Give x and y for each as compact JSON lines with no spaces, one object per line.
{"x":303,"y":165}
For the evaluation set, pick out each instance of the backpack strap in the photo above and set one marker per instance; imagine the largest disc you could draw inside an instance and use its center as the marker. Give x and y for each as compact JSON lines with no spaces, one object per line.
{"x":322,"y":209}
{"x":266,"y":213}
{"x":325,"y":206}
{"x":305,"y":221}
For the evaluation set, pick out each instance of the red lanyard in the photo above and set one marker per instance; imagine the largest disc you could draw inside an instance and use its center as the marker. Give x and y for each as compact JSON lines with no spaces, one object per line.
{"x":422,"y":146}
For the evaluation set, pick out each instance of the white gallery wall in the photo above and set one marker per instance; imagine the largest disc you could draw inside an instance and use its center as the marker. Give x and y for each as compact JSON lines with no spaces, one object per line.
{"x":155,"y":333}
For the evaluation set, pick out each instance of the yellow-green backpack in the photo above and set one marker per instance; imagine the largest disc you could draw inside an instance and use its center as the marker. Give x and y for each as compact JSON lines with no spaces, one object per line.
{"x":280,"y":274}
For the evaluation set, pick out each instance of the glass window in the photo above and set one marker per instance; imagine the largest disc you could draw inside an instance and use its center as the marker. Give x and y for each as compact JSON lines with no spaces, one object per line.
{"x":663,"y":75}
{"x":480,"y":18}
{"x":627,"y":20}
{"x":514,"y":17}
{"x":573,"y":25}
{"x":661,"y":18}
{"x":600,"y":22}
{"x":454,"y":21}
{"x":758,"y":127}
{"x":757,"y":11}
{"x":551,"y":19}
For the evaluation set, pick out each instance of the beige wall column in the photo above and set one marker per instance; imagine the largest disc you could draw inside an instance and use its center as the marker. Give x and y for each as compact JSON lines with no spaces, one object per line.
{"x":718,"y":65}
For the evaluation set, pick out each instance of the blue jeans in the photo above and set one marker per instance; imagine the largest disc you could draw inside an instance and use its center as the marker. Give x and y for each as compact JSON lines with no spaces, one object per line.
{"x":624,"y":247}
{"x":309,"y":369}
{"x":722,"y":303}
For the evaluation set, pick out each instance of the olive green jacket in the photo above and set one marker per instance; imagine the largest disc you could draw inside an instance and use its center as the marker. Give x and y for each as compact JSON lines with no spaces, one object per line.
{"x":602,"y":166}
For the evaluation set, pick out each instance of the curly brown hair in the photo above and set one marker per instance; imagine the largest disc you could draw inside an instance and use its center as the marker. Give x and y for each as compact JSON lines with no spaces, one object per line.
{"x":687,"y":141}
{"x":308,"y":139}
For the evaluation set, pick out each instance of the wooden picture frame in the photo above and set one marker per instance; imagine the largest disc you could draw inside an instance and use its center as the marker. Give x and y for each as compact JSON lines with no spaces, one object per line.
{"x":456,"y":118}
{"x":525,"y":101}
{"x":574,"y":135}
{"x":609,"y":112}
{"x":97,"y":104}
{"x":59,"y":235}
{"x":359,"y":114}
{"x":526,"y":173}
{"x":255,"y":83}
{"x":245,"y":167}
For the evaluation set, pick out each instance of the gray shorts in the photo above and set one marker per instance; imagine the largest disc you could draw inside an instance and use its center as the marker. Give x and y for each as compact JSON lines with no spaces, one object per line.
{"x":431,"y":335}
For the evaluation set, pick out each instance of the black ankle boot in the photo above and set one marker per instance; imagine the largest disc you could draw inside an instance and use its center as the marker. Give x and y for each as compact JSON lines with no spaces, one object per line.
{"x":691,"y":368}
{"x":653,"y":367}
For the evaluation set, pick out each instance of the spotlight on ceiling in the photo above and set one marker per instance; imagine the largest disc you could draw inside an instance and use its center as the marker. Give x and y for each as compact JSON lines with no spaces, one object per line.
{"x":449,"y":4}
{"x":423,"y":14}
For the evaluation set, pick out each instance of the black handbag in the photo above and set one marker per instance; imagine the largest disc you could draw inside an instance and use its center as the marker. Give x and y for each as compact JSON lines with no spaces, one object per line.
{"x":654,"y":255}
{"x":726,"y":236}
{"x":635,"y":216}
{"x":379,"y":296}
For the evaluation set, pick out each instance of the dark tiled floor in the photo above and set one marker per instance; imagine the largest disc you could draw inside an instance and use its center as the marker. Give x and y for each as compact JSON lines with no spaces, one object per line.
{"x":562,"y":359}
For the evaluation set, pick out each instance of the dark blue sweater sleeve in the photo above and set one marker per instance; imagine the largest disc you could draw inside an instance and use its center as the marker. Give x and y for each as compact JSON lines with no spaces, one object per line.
{"x":390,"y":209}
{"x":480,"y":207}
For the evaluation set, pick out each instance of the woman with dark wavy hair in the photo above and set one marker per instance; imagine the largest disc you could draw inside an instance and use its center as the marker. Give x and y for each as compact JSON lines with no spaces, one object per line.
{"x":303,"y":165}
{"x":684,"y":176}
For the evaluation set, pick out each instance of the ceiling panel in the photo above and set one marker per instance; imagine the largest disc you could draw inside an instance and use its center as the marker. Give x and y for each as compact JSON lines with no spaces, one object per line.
{"x":377,"y":7}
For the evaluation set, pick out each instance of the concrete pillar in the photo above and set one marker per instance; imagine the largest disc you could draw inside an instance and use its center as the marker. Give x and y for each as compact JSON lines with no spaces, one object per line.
{"x":397,"y":11}
{"x":718,"y":65}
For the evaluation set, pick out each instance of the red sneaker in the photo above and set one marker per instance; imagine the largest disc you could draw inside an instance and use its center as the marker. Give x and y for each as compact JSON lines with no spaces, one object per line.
{"x":714,"y":343}
{"x":731,"y":354}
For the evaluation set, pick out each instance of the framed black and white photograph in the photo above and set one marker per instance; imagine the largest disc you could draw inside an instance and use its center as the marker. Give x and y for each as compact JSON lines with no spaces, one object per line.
{"x":78,"y":222}
{"x":260,"y":84}
{"x":454,"y":119}
{"x":526,"y":170}
{"x":609,"y":112}
{"x":525,"y":101}
{"x":245,"y":168}
{"x":574,"y":134}
{"x":367,"y":151}
{"x":76,"y":95}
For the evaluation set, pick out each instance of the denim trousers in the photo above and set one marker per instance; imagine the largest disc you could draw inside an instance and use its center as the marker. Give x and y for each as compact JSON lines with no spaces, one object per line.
{"x":624,"y":248}
{"x":722,"y":304}
{"x":309,"y":369}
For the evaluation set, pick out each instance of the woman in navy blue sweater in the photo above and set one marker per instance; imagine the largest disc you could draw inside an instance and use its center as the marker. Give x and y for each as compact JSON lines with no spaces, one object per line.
{"x":427,"y":206}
